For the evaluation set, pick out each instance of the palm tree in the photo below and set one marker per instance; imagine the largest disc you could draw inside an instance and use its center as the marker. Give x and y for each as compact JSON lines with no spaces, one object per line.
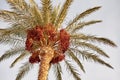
{"x":36,"y":32}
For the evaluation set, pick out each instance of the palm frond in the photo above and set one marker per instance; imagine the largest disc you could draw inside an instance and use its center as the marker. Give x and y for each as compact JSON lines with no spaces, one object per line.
{"x":22,"y":56}
{"x":24,"y":70}
{"x":9,"y":16}
{"x":15,"y":30}
{"x":73,"y":56}
{"x":82,"y":15}
{"x":77,"y":36}
{"x":92,"y":38}
{"x":90,"y":56}
{"x":19,"y":6}
{"x":11,"y":39}
{"x":92,"y":47}
{"x":54,"y":14}
{"x":58,"y":71}
{"x":18,"y":30}
{"x":95,"y":58}
{"x":83,"y":24}
{"x":36,"y":14}
{"x":11,"y":53}
{"x":46,"y":11}
{"x":63,"y":13}
{"x":15,"y":19}
{"x":72,"y":69}
{"x":28,"y":15}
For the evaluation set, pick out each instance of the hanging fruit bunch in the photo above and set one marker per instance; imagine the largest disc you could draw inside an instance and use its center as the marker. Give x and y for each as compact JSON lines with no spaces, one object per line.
{"x":40,"y":36}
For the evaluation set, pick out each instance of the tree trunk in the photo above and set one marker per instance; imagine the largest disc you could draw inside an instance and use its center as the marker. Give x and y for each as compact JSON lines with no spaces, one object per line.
{"x":45,"y":63}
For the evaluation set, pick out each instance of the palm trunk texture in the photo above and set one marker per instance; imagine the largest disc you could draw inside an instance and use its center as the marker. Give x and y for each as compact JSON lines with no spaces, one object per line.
{"x":45,"y":63}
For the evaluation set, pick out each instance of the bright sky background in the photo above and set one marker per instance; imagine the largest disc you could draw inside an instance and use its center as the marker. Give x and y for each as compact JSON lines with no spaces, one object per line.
{"x":109,"y":28}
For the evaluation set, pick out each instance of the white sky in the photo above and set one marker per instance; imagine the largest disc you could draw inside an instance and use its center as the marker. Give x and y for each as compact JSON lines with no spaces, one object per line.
{"x":109,"y":28}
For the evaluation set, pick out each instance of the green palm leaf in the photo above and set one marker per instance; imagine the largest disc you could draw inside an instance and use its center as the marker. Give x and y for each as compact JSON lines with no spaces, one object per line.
{"x":55,"y":14}
{"x":91,"y":38}
{"x":19,"y":6}
{"x":8,"y":38}
{"x":9,"y":16}
{"x":91,"y":57}
{"x":58,"y":71}
{"x":36,"y":14}
{"x":63,"y":13}
{"x":17,"y":30}
{"x":82,"y":15}
{"x":24,"y":70}
{"x":73,"y":56}
{"x":11,"y":53}
{"x":83,"y":24}
{"x":47,"y":10}
{"x":21,"y":57}
{"x":92,"y":47}
{"x":72,"y":69}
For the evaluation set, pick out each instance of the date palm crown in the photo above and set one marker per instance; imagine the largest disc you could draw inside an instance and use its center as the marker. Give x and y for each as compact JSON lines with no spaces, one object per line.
{"x":34,"y":29}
